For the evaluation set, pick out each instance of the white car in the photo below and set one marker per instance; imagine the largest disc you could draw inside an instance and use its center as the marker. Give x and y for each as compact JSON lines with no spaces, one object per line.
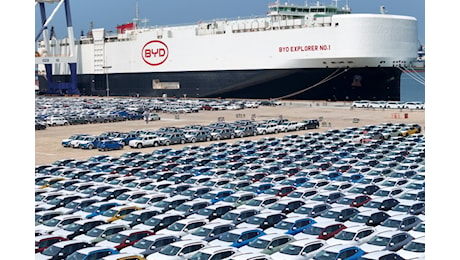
{"x":414,"y":105}
{"x":360,"y":103}
{"x":56,"y":120}
{"x":179,"y":250}
{"x":394,"y":104}
{"x":376,"y":104}
{"x":415,"y":249}
{"x":353,"y":235}
{"x":268,"y":128}
{"x":183,"y":227}
{"x":300,"y":249}
{"x":145,"y":141}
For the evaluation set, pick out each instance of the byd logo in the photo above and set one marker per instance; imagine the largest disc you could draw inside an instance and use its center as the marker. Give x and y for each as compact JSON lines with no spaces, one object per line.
{"x":155,"y":53}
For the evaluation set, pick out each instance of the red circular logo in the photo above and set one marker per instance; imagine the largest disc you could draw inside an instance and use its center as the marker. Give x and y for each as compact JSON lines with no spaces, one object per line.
{"x":155,"y":53}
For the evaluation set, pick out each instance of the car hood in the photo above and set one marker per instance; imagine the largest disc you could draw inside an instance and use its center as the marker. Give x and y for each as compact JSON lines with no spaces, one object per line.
{"x":100,"y":217}
{"x":158,"y":256}
{"x":62,"y":232}
{"x":218,"y":242}
{"x":302,"y":235}
{"x":40,"y":256}
{"x":246,"y":225}
{"x":42,"y":229}
{"x":279,"y":255}
{"x":248,"y":249}
{"x":170,"y":232}
{"x":371,"y":248}
{"x":85,"y":238}
{"x":142,"y":226}
{"x":410,"y":255}
{"x":132,"y":250}
{"x":107,"y":244}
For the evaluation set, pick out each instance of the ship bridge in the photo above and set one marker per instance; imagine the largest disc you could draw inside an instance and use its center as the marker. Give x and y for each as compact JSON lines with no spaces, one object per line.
{"x":44,"y":55}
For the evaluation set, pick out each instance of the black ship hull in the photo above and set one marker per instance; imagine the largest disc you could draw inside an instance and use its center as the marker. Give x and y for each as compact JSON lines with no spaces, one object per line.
{"x":301,"y":84}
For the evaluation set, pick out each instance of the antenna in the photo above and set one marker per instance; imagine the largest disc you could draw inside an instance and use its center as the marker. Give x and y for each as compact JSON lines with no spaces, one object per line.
{"x":382,"y":9}
{"x":136,"y":17}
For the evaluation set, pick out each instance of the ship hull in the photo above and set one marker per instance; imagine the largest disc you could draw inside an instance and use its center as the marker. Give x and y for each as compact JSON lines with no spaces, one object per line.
{"x":313,"y":84}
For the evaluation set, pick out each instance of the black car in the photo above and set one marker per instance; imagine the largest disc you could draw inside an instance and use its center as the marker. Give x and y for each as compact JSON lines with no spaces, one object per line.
{"x":62,"y":249}
{"x":79,"y":227}
{"x":39,"y":125}
{"x":265,"y":220}
{"x":311,"y":123}
{"x":161,"y":221}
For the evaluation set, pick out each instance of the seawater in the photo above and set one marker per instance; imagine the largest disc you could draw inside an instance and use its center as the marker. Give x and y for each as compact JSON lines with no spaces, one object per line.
{"x":412,"y":88}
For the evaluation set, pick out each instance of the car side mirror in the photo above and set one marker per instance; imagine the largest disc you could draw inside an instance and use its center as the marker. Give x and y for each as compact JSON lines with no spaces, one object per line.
{"x":211,"y":235}
{"x":270,"y":247}
{"x":392,"y":244}
{"x":265,"y":223}
{"x":103,"y":235}
{"x":240,"y":240}
{"x":324,"y":233}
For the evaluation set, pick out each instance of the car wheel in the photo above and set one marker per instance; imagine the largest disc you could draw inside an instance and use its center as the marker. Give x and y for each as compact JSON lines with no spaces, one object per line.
{"x":155,"y":144}
{"x":193,"y":140}
{"x":182,"y":141}
{"x":167,"y":143}
{"x":232,"y":136}
{"x":66,"y":123}
{"x":208,"y":139}
{"x":139,"y":145}
{"x":90,"y":146}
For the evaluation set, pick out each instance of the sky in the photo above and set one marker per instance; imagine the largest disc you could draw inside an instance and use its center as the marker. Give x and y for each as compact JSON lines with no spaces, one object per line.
{"x":110,"y":13}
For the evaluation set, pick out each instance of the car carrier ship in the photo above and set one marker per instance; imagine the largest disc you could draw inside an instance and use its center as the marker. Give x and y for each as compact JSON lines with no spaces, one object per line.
{"x":311,"y":52}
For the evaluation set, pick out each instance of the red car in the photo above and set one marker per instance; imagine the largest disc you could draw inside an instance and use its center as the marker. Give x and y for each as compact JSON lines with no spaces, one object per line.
{"x":360,"y":200}
{"x":322,"y":230}
{"x":281,"y":191}
{"x":44,"y":241}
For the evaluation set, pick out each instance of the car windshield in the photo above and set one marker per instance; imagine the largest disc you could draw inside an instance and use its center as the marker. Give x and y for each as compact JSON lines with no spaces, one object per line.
{"x":152,"y":222}
{"x":326,"y":255}
{"x":143,"y":244}
{"x":259,"y":243}
{"x":142,"y":200}
{"x":131,"y":217}
{"x":71,"y":205}
{"x":110,"y":213}
{"x":283,"y":225}
{"x":72,"y":227}
{"x":254,"y":202}
{"x":229,"y":216}
{"x":162,"y":204}
{"x":170,"y":250}
{"x":391,"y":223}
{"x":228,"y":237}
{"x":123,"y":197}
{"x":313,"y":230}
{"x":54,"y":201}
{"x":202,"y":232}
{"x":303,"y":210}
{"x":359,"y":219}
{"x":176,"y":226}
{"x":76,"y":256}
{"x":330,"y":214}
{"x":419,"y":228}
{"x":205,"y":212}
{"x":373,"y":204}
{"x":291,"y":250}
{"x":345,"y":235}
{"x":200,"y":256}
{"x":278,"y":206}
{"x":401,"y":208}
{"x":52,"y":250}
{"x":379,"y":241}
{"x":118,"y":238}
{"x":95,"y":232}
{"x":255,"y":220}
{"x":231,"y":199}
{"x":414,"y":246}
{"x":51,"y":223}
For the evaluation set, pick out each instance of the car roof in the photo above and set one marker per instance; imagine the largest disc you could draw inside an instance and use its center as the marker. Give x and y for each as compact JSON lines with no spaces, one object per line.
{"x":216,"y":249}
{"x":338,"y":248}
{"x":185,"y":242}
{"x":87,"y":250}
{"x":272,"y":236}
{"x":389,"y":233}
{"x":67,"y":242}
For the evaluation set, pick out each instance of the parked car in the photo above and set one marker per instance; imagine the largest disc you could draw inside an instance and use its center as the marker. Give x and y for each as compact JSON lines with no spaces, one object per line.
{"x":88,"y":253}
{"x":300,"y":249}
{"x":56,"y":121}
{"x":340,"y":252}
{"x":150,"y":244}
{"x":146,"y":141}
{"x":107,"y":145}
{"x":182,"y":248}
{"x":61,"y":250}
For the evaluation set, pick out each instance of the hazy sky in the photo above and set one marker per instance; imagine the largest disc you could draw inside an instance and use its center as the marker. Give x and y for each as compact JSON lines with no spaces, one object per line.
{"x":110,"y":13}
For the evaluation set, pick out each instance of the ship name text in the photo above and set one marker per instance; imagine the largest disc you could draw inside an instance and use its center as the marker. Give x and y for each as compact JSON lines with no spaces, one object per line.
{"x":302,"y":48}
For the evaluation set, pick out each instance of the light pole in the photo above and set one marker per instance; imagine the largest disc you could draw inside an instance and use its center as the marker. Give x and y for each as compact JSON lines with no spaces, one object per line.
{"x":106,"y":68}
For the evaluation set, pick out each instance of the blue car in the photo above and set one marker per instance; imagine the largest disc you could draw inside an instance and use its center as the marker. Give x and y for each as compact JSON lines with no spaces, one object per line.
{"x":291,"y":225}
{"x":107,"y":145}
{"x":342,"y":252}
{"x":215,"y":196}
{"x":238,"y":237}
{"x":95,"y":252}
{"x":98,"y":208}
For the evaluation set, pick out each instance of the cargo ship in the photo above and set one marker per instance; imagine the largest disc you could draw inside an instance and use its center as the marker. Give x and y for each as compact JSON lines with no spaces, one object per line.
{"x":295,"y":51}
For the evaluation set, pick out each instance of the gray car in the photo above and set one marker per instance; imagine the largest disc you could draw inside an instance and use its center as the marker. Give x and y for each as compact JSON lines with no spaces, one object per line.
{"x":150,"y":244}
{"x":387,"y":240}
